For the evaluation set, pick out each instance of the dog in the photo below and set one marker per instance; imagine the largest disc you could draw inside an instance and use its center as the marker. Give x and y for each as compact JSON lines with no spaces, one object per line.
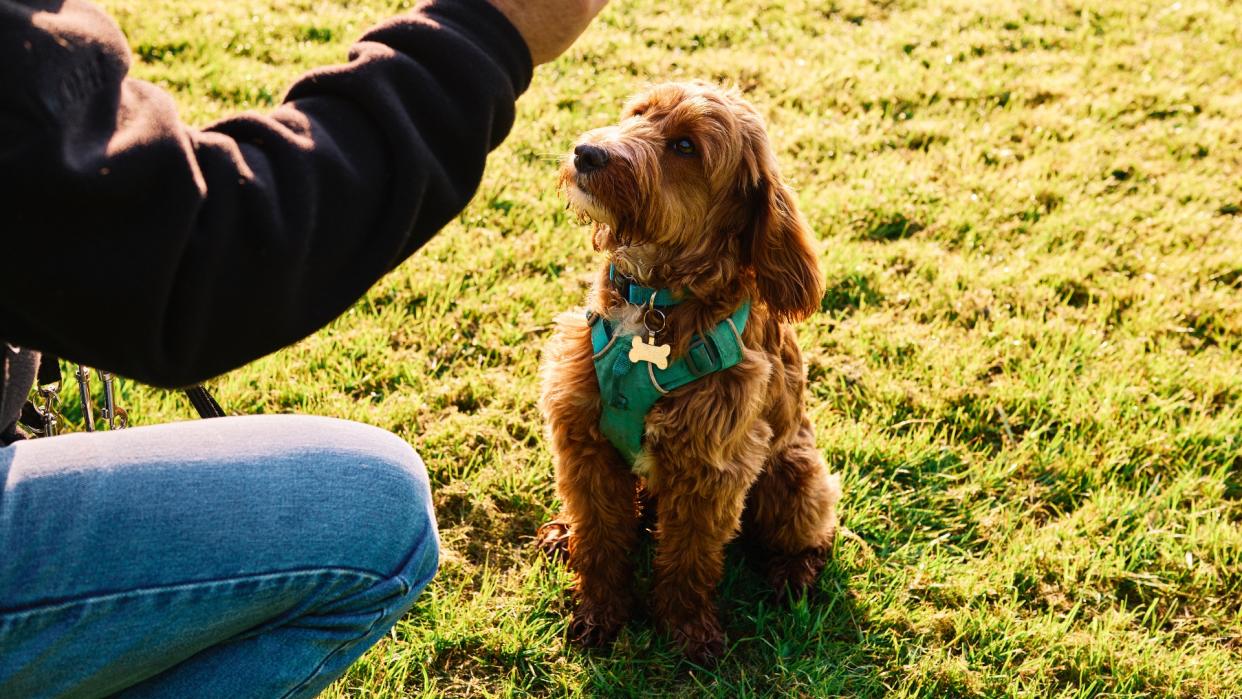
{"x":687,"y":201}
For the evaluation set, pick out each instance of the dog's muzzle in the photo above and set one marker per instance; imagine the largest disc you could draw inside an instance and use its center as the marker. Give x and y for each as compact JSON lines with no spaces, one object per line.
{"x":588,"y":159}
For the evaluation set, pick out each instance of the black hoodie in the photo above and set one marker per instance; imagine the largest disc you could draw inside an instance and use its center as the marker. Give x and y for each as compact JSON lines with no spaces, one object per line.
{"x":177,"y":253}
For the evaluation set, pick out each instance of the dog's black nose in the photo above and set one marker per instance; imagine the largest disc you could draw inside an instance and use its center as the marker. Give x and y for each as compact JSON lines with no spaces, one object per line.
{"x":589,"y":158}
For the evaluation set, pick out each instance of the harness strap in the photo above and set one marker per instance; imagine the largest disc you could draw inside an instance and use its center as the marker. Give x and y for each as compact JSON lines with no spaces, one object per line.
{"x":628,"y":390}
{"x":719,"y":349}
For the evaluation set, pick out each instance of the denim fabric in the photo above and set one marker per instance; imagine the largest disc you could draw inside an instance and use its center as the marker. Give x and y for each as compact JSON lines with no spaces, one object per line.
{"x":234,"y":557}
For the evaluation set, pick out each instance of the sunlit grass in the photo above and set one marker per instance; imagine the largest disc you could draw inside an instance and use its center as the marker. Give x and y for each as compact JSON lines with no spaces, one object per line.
{"x":1028,"y":366}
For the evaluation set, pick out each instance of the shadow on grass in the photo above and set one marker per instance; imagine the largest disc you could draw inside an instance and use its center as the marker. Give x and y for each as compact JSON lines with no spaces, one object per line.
{"x":804,"y":647}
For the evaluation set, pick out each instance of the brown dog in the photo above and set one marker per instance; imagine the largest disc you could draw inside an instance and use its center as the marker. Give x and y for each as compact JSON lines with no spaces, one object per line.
{"x":686,"y":196}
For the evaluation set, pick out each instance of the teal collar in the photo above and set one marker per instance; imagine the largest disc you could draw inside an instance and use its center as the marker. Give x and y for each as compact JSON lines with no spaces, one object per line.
{"x":639,"y":295}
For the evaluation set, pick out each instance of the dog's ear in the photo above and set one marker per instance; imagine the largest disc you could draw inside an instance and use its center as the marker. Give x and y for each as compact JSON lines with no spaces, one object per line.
{"x":782,"y":253}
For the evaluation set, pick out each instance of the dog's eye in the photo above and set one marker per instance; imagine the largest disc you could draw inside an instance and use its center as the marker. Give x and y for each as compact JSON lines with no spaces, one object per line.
{"x":684,"y":146}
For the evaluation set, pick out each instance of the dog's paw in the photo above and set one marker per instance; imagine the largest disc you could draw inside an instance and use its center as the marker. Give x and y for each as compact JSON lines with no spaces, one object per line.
{"x":595,"y":625}
{"x":553,"y":539}
{"x":795,"y":574}
{"x":702,"y":641}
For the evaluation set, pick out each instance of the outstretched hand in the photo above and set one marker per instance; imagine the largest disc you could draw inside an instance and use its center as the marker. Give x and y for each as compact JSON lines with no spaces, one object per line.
{"x":549,"y":26}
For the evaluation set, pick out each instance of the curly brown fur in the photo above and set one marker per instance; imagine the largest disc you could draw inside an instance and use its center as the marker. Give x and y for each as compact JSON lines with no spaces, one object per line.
{"x":720,"y":224}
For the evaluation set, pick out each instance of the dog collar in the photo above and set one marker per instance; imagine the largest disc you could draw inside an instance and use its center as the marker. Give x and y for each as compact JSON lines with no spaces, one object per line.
{"x":640,"y":295}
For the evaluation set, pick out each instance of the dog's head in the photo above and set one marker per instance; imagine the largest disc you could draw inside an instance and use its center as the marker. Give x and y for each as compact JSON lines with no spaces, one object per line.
{"x":685,"y":190}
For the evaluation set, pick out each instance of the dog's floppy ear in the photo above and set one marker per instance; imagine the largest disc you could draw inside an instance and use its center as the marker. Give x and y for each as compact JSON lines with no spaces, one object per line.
{"x":781,"y":250}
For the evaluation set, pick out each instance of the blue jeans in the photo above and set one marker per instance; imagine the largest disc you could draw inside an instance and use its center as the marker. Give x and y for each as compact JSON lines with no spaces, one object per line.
{"x":234,"y":557}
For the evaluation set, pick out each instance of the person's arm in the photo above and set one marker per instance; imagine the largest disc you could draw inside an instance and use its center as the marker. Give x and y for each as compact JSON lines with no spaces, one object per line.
{"x":169,"y":254}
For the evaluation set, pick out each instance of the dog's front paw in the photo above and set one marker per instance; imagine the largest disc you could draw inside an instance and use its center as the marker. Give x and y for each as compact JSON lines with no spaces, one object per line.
{"x":553,"y":539}
{"x":795,"y":574}
{"x":596,"y":625}
{"x":702,"y":641}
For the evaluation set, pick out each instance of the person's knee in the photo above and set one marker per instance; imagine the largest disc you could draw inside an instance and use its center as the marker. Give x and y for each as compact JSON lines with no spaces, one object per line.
{"x":383,"y":487}
{"x":415,"y":530}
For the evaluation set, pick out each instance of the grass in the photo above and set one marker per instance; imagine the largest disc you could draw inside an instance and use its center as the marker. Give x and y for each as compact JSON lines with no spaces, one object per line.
{"x":1028,"y":367}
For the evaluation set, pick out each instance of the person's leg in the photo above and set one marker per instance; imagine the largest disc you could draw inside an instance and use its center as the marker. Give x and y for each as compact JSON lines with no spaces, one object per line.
{"x":233,"y":557}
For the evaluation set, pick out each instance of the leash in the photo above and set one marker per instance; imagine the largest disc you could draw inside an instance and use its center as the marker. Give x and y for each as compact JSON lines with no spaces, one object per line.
{"x":203,"y":403}
{"x":44,"y":420}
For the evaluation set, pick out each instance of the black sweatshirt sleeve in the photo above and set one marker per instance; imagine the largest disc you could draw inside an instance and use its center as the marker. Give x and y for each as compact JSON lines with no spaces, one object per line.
{"x":167,"y":254}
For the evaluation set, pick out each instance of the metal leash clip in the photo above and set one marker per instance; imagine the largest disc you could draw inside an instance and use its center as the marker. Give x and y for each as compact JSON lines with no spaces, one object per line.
{"x":116,"y":416}
{"x":50,"y":394}
{"x":83,"y":375}
{"x":46,"y":420}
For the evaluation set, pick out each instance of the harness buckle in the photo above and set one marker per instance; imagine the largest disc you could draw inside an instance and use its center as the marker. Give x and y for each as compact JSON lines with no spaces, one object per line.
{"x":622,"y":283}
{"x":702,"y":357}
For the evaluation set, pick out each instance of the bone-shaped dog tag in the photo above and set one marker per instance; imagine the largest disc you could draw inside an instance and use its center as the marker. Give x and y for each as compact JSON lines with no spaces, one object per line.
{"x":642,"y":352}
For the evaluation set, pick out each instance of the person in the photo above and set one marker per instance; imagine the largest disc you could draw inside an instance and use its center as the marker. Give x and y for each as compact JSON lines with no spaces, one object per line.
{"x":242,"y":556}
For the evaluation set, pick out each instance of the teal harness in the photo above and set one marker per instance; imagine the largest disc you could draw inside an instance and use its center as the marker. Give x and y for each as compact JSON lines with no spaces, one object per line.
{"x":628,"y":390}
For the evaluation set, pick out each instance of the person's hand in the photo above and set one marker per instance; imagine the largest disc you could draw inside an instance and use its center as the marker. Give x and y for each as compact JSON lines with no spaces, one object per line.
{"x":549,"y":26}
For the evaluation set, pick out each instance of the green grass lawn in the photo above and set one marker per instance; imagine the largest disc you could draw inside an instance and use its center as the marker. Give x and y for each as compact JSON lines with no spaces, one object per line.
{"x":1028,"y":367}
